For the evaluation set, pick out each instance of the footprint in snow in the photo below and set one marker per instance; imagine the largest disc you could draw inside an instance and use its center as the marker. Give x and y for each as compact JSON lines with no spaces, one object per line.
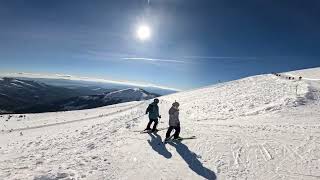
{"x":91,"y":146}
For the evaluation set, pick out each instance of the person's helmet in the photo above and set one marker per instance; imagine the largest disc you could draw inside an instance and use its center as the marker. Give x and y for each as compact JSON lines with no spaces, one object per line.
{"x":176,"y":104}
{"x":156,"y":100}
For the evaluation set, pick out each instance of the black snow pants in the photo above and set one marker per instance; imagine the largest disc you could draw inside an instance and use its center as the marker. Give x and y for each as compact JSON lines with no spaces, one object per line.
{"x":154,"y":125}
{"x":176,"y":131}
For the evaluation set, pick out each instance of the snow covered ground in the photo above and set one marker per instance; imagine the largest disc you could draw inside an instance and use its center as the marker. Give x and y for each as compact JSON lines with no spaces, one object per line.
{"x":261,"y":127}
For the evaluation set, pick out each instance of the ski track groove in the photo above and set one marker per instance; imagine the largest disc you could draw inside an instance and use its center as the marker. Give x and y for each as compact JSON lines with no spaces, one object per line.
{"x":264,"y":153}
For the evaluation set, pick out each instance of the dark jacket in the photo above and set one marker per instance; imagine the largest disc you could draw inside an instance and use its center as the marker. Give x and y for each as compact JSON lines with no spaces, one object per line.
{"x":153,"y":110}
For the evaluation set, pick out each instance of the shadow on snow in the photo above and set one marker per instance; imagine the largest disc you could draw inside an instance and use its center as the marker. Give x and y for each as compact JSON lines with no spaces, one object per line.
{"x":158,"y":146}
{"x":191,"y":159}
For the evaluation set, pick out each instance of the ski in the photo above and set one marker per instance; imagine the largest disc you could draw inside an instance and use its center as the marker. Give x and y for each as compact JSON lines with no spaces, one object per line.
{"x":191,"y":137}
{"x":150,"y":131}
{"x":170,"y":139}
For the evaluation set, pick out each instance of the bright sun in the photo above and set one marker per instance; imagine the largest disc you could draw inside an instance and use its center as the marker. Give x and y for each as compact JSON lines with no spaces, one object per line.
{"x":143,"y":32}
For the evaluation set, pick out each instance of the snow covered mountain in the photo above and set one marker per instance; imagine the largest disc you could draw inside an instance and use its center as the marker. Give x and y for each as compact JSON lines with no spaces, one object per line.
{"x":70,"y":81}
{"x":17,"y":95}
{"x":260,"y":127}
{"x":130,"y":94}
{"x":93,"y":101}
{"x":25,"y":96}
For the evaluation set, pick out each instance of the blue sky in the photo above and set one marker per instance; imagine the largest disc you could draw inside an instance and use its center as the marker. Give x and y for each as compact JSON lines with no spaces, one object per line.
{"x":193,"y":43}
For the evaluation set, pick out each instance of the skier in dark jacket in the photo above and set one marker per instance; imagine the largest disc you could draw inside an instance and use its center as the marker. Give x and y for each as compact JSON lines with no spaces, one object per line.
{"x":174,"y":122}
{"x":153,"y":110}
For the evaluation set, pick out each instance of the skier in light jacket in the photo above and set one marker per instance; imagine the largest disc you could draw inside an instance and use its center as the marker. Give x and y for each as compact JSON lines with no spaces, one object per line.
{"x":174,"y":122}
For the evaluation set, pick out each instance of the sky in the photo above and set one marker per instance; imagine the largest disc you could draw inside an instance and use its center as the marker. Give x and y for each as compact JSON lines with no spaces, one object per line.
{"x":192,"y":43}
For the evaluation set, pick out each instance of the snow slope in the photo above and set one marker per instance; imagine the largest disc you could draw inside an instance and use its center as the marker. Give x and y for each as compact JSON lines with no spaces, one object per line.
{"x":260,"y":127}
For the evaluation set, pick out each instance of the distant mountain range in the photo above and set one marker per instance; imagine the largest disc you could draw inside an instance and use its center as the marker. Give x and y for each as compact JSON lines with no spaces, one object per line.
{"x":93,"y":101}
{"x":74,"y":81}
{"x":29,"y":96}
{"x":80,"y":83}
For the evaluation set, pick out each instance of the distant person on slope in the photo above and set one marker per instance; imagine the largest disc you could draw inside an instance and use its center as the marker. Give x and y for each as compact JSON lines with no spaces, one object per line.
{"x":174,"y":122}
{"x":153,"y":110}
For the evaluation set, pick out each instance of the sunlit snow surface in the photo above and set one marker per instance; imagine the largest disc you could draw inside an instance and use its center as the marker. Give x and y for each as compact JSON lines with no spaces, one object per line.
{"x":261,"y":127}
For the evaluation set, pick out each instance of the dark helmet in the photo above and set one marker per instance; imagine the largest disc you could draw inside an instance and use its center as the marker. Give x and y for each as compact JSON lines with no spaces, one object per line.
{"x":176,"y":104}
{"x":156,"y":100}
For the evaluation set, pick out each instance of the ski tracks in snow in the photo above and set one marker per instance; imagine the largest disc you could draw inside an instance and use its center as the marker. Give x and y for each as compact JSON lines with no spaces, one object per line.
{"x":261,"y":151}
{"x":79,"y":149}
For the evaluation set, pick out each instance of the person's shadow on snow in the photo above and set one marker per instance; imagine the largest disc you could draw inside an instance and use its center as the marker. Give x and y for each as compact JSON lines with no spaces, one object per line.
{"x":193,"y":162}
{"x":158,"y":146}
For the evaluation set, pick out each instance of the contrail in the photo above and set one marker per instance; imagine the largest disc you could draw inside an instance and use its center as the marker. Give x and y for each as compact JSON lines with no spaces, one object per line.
{"x":219,"y":57}
{"x":155,"y":60}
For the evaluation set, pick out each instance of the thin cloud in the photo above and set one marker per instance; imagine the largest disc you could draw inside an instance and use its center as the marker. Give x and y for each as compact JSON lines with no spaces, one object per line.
{"x":220,"y":57}
{"x":155,"y":60}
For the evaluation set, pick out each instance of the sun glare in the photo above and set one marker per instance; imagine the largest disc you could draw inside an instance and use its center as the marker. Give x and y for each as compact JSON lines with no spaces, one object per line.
{"x":143,"y":32}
